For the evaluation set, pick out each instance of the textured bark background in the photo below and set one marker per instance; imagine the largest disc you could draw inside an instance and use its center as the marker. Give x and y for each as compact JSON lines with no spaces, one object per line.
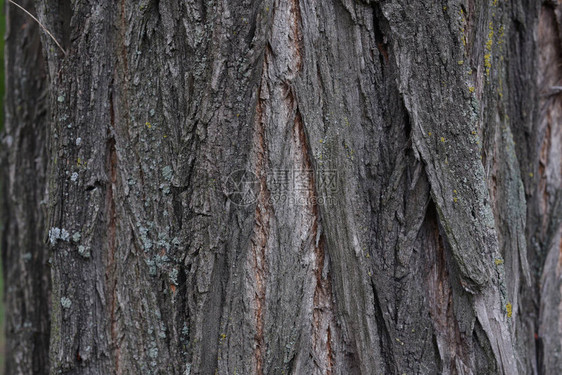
{"x":437,"y":250}
{"x":24,"y":198}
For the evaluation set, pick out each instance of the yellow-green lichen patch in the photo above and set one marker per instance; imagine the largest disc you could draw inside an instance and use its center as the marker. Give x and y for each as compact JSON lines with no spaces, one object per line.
{"x":489,"y":44}
{"x":500,"y":35}
{"x":509,"y":309}
{"x":81,"y":163}
{"x":488,"y":62}
{"x":462,"y":28}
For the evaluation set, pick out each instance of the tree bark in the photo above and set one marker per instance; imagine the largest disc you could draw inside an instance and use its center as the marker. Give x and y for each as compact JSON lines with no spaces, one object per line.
{"x":24,"y":199}
{"x":285,"y":187}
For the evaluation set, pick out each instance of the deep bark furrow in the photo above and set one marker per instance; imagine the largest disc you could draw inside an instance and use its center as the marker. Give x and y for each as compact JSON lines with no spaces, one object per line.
{"x":263,"y":215}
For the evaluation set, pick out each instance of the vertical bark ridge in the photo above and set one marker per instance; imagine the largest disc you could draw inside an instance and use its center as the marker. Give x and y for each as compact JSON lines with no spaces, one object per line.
{"x":277,"y":113}
{"x":322,"y":307}
{"x":263,"y":216}
{"x":460,"y":196}
{"x":545,"y":188}
{"x":83,"y":187}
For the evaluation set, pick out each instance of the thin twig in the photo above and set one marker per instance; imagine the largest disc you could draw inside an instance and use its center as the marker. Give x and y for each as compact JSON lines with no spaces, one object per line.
{"x":40,"y":24}
{"x":553,"y":90}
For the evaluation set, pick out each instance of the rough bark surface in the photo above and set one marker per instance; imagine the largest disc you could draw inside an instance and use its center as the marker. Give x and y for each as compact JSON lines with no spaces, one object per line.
{"x":399,"y":165}
{"x":23,"y":198}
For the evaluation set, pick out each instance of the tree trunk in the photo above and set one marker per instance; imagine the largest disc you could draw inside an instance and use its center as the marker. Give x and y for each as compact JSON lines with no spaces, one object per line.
{"x":24,"y":199}
{"x":284,"y":187}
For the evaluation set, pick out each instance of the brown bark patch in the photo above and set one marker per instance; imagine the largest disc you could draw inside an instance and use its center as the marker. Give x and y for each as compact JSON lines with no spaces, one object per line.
{"x":543,"y":163}
{"x":261,"y":232}
{"x":296,"y":34}
{"x":440,"y":297}
{"x":111,"y":271}
{"x":560,"y":257}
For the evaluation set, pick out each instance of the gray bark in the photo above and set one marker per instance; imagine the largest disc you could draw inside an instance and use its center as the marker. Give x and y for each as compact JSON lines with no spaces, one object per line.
{"x":436,"y":251}
{"x":23,"y":198}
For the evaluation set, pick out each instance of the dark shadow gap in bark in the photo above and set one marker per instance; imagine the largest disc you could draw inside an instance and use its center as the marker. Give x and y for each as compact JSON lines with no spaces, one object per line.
{"x":407,"y":128}
{"x":384,"y":335}
{"x":451,"y":349}
{"x":212,"y":312}
{"x":539,"y":355}
{"x":485,"y":361}
{"x":380,"y":24}
{"x":182,"y":315}
{"x":65,"y":18}
{"x":436,"y":350}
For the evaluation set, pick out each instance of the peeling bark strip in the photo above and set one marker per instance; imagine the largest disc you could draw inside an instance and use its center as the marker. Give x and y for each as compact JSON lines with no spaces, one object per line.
{"x":434,"y":248}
